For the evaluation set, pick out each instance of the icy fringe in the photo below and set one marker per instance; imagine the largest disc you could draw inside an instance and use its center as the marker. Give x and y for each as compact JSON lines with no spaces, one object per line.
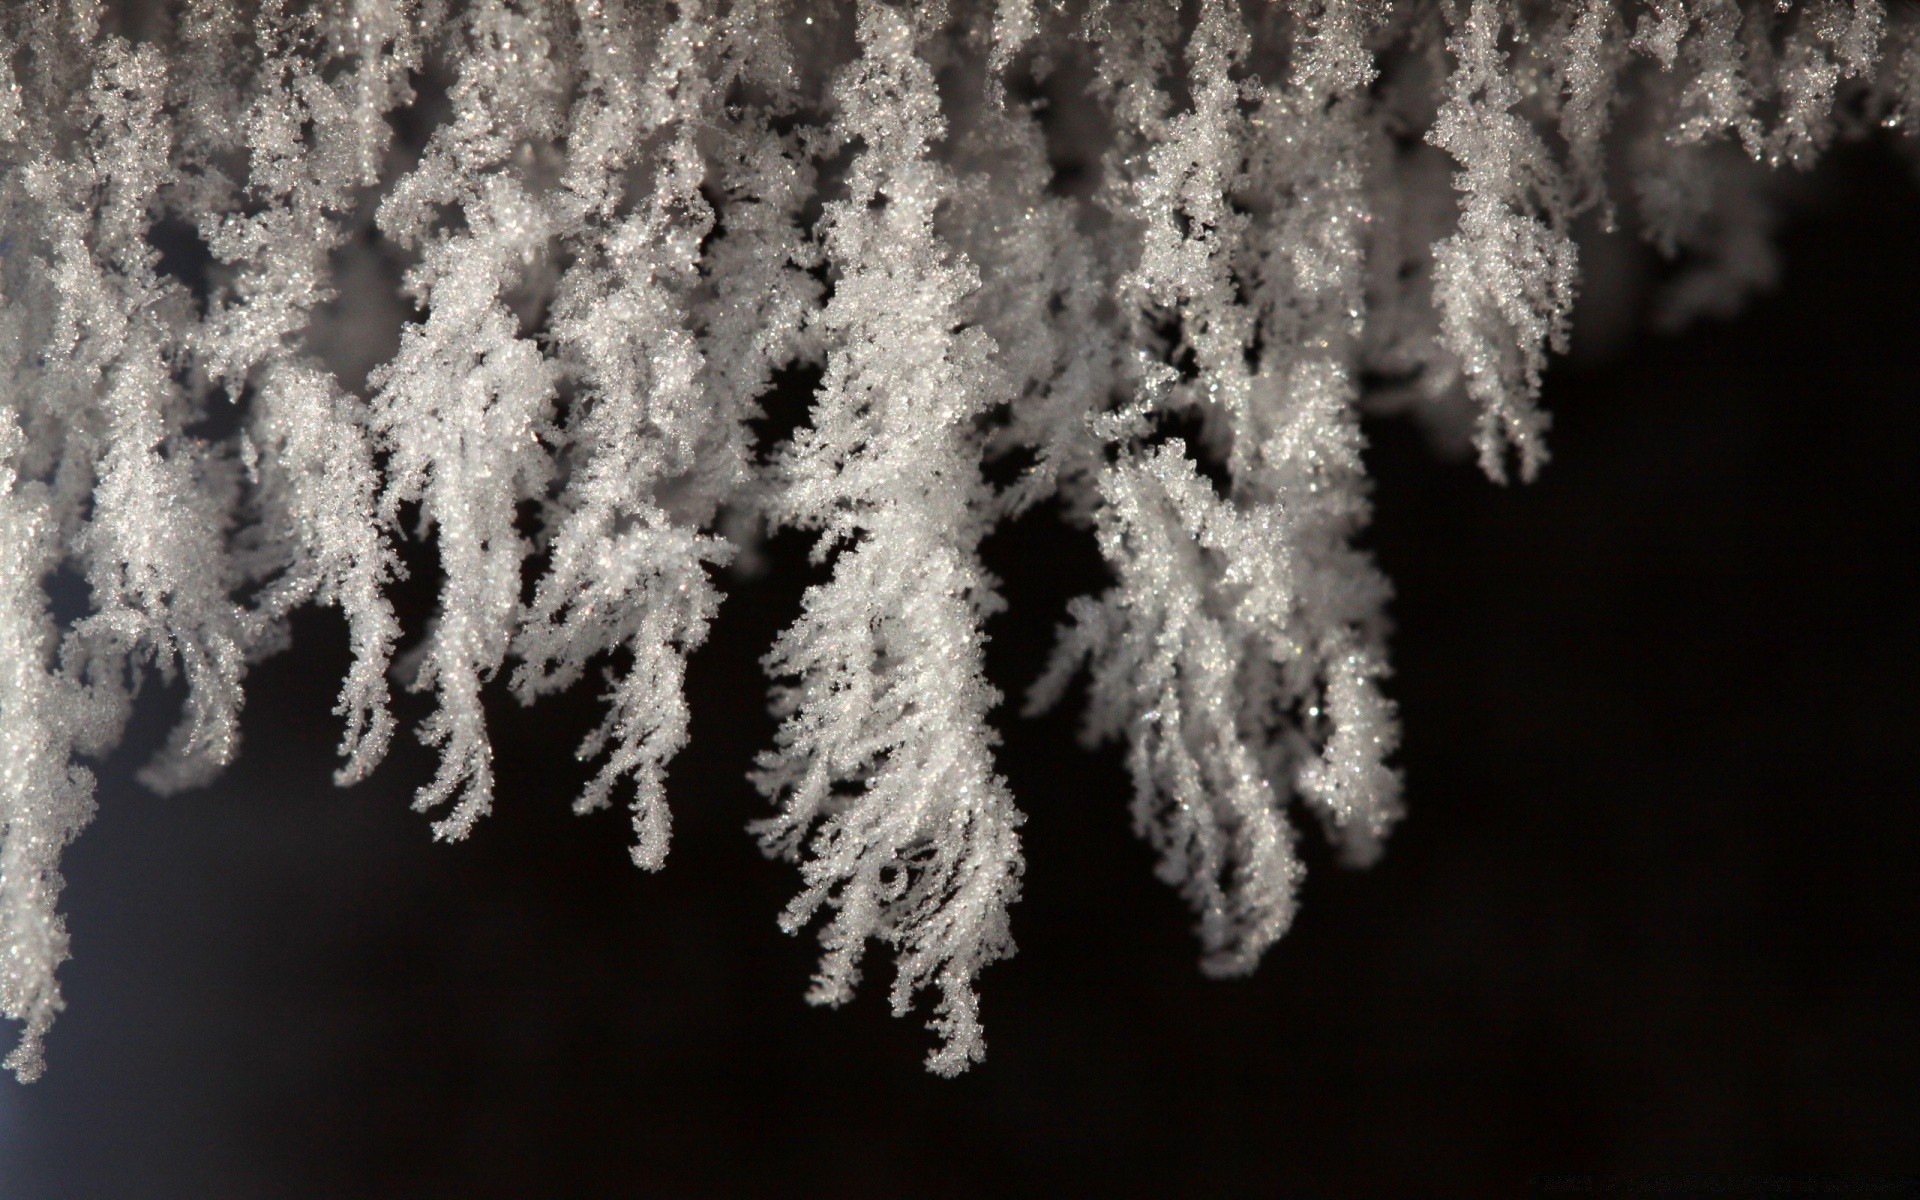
{"x":1143,"y":253}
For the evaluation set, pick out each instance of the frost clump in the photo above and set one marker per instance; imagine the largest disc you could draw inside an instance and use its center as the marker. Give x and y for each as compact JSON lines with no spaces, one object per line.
{"x":1153,"y":259}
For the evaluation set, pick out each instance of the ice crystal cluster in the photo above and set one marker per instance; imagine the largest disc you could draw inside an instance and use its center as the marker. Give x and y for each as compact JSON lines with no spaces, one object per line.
{"x":1142,"y":261}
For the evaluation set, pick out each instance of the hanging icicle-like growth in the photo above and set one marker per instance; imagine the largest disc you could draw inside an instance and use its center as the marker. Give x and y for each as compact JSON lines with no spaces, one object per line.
{"x":1149,"y":261}
{"x":884,"y":763}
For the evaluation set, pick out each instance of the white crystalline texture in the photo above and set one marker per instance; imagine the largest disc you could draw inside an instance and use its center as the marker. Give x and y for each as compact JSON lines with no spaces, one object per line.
{"x":884,"y":765}
{"x":1149,"y":259}
{"x":1504,"y":281}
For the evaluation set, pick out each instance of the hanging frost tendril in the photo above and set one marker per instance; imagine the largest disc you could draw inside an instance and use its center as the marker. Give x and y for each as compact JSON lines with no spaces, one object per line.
{"x":1149,"y":261}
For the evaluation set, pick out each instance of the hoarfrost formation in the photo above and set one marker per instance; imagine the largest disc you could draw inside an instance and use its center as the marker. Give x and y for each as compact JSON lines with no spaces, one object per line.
{"x":1151,"y":258}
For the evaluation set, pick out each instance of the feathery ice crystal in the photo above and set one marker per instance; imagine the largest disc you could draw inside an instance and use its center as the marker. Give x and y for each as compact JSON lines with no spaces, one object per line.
{"x":1142,"y":252}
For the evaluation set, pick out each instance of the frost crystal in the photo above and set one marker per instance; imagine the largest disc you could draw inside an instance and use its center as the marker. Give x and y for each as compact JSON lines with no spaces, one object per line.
{"x":1149,"y":261}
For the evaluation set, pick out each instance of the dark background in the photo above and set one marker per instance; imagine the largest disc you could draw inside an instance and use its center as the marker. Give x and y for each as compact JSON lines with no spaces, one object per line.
{"x":1654,"y":908}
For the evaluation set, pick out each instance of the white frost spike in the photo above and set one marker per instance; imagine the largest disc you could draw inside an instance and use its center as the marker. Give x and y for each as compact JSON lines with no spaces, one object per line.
{"x":44,"y":799}
{"x":625,"y":573}
{"x":1235,"y":612}
{"x":1588,"y":66}
{"x":1350,"y":780}
{"x":1014,"y":25}
{"x":884,"y":765}
{"x":1191,"y":230}
{"x":317,"y":454}
{"x":315,"y":470}
{"x":154,"y":548}
{"x":1718,"y":96}
{"x":461,"y":405}
{"x":1504,"y":282}
{"x":1304,"y":686}
{"x":751,"y":317}
{"x":1830,"y":41}
{"x":1044,"y":282}
{"x":1164,"y":666}
{"x":1660,"y":31}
